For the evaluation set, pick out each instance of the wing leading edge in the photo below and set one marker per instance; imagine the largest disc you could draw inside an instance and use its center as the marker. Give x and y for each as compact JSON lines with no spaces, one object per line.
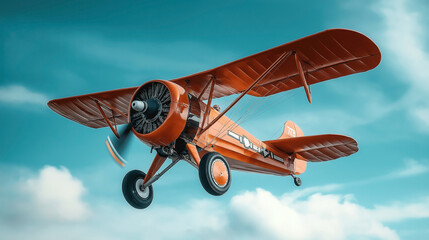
{"x":317,"y":148}
{"x":326,"y":55}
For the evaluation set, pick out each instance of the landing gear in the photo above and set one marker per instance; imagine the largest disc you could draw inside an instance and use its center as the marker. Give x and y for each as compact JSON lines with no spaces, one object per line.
{"x":297,"y":181}
{"x":133,"y":192}
{"x":215,"y":174}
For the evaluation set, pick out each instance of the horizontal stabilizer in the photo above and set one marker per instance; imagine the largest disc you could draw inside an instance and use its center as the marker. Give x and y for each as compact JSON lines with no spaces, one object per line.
{"x":317,"y":148}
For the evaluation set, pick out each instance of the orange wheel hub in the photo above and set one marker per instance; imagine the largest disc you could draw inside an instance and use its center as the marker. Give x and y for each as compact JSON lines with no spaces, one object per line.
{"x":220,"y":173}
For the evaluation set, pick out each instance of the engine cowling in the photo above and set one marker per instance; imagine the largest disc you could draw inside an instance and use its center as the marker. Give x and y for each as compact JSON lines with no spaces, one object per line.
{"x":158,"y":112}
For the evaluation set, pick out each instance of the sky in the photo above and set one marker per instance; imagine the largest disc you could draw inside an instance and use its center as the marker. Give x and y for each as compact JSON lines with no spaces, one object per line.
{"x":58,"y":180}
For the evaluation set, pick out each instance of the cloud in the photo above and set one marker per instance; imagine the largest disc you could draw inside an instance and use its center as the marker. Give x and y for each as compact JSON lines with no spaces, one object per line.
{"x":56,"y":208}
{"x":404,"y":39}
{"x":398,"y":211}
{"x":183,"y":57}
{"x":318,"y":217}
{"x":53,"y":195}
{"x":328,"y":120}
{"x":249,"y":215}
{"x":316,"y":189}
{"x":401,"y":35}
{"x":16,"y":94}
{"x":412,"y":168}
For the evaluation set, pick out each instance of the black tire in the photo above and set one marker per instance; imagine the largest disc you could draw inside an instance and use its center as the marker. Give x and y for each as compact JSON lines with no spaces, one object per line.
{"x":297,"y":181}
{"x":207,"y":177}
{"x":135,"y":197}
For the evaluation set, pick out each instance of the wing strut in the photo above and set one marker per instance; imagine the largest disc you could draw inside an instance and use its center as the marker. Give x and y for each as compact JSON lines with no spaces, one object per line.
{"x":209,"y":101}
{"x":114,"y":129}
{"x":275,"y":64}
{"x":302,"y":77}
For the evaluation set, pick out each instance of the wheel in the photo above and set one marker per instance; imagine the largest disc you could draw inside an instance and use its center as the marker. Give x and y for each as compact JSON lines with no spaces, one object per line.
{"x":297,"y":181}
{"x":215,"y":174}
{"x":134,"y":195}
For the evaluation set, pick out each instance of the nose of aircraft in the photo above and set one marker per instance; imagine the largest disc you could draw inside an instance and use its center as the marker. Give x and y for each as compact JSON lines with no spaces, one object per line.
{"x":139,"y":105}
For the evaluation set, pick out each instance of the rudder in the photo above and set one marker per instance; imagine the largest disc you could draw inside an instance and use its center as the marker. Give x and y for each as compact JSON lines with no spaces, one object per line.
{"x":291,"y":130}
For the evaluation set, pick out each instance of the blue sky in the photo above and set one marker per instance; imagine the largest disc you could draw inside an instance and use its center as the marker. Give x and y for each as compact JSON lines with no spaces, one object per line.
{"x":58,"y":179}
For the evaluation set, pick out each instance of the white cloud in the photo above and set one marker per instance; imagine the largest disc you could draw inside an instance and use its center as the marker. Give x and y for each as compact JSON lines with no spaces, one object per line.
{"x":56,"y":208}
{"x":318,"y":217}
{"x":53,"y":195}
{"x":16,"y":94}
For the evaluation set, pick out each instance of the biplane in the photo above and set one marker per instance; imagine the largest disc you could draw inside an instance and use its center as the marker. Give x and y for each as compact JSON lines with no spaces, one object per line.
{"x":176,"y":117}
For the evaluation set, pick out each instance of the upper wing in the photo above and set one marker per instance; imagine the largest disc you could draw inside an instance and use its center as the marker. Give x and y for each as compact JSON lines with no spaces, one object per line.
{"x":84,"y":110}
{"x":317,"y":148}
{"x":325,"y":55}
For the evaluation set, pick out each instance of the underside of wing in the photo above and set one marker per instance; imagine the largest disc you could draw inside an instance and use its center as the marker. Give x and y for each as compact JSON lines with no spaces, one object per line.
{"x":317,"y":148}
{"x":85,"y":109}
{"x":326,"y":55}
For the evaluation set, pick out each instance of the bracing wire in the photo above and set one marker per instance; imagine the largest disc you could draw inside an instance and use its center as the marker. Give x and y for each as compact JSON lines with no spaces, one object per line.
{"x":245,"y":116}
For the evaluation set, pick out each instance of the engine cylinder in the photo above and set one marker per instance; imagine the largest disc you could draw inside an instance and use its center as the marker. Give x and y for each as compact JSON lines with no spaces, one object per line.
{"x":164,"y":118}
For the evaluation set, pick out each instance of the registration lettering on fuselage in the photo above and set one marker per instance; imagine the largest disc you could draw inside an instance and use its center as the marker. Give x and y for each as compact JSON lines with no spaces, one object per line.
{"x":247,"y":144}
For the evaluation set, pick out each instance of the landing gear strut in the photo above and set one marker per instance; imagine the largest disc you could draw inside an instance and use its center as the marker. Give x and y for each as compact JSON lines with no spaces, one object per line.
{"x":137,"y":190}
{"x":297,"y":181}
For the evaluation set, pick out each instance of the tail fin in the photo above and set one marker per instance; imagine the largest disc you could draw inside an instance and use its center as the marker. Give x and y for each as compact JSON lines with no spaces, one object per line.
{"x":291,"y":130}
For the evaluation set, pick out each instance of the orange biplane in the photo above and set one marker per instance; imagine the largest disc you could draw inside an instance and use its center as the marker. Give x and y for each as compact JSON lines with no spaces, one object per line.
{"x":177,"y":120}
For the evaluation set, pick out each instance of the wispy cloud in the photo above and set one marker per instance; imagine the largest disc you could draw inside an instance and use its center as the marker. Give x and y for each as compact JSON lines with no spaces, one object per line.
{"x":410,"y":168}
{"x":17,"y":94}
{"x":401,"y":35}
{"x":183,"y":57}
{"x":400,"y":211}
{"x":404,"y":37}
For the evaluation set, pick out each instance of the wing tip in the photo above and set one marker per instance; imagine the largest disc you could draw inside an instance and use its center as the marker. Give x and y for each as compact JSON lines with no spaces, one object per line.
{"x":375,"y":50}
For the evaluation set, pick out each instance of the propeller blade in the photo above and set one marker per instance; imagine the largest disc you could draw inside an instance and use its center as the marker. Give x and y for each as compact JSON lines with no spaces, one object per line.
{"x":117,"y":146}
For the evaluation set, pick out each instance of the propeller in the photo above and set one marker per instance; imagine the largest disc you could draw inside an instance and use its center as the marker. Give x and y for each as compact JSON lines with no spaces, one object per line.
{"x":117,"y":146}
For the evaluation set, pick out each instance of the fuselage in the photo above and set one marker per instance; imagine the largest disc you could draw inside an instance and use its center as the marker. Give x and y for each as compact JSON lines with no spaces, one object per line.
{"x":244,"y":151}
{"x":166,"y":117}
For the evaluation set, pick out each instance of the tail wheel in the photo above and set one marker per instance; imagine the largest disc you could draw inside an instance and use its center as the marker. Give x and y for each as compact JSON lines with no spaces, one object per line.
{"x":131,"y":188}
{"x":297,"y":181}
{"x":215,"y":174}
